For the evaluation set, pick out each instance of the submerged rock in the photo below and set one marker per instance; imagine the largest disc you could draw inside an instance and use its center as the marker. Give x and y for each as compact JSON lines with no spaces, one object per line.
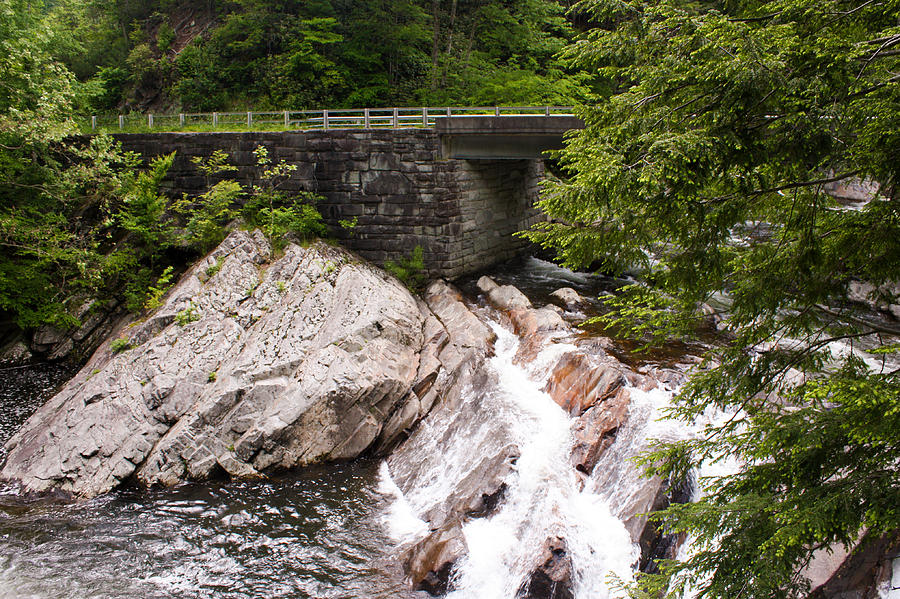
{"x":250,"y":366}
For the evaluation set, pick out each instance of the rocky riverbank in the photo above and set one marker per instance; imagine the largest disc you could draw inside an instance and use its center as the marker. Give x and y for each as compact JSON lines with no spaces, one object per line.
{"x":252,"y":365}
{"x":256,"y":364}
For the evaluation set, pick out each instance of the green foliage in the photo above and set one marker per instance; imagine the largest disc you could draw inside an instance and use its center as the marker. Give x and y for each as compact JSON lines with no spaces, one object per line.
{"x":56,"y":197}
{"x":122,"y":344}
{"x":208,"y":213}
{"x":297,"y":54}
{"x":215,"y":268}
{"x":153,"y":299}
{"x":349,"y":223}
{"x":143,"y":210}
{"x":212,"y":379}
{"x":165,"y":35}
{"x":410,"y":270}
{"x":275,"y":212}
{"x":706,"y":171}
{"x":188,"y":315}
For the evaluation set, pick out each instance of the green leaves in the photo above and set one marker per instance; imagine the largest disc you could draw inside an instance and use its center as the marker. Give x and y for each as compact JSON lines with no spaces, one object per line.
{"x":143,"y":211}
{"x":706,"y":171}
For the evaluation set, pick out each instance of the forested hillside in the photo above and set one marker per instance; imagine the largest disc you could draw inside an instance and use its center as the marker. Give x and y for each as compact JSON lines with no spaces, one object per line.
{"x":295,"y":54}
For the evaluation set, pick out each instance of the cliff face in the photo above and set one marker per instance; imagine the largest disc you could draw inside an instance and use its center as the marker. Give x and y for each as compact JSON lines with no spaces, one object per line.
{"x":250,"y":366}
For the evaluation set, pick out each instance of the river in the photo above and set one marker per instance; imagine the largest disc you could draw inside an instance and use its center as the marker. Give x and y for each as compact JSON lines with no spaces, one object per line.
{"x":326,"y":532}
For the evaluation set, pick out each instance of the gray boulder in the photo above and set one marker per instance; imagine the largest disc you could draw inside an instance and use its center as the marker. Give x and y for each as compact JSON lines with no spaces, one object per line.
{"x":250,"y":366}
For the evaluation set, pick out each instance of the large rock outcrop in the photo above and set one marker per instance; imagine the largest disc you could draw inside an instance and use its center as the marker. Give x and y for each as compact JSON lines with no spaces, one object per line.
{"x":251,"y":365}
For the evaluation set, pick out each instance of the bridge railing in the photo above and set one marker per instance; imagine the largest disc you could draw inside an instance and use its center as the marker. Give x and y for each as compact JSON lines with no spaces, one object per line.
{"x":344,"y":118}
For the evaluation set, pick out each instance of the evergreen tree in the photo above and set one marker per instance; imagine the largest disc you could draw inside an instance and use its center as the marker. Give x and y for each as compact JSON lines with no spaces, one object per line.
{"x":709,"y":168}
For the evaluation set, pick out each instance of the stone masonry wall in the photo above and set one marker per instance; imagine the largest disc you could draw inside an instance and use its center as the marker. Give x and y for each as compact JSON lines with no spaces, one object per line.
{"x":463,"y":213}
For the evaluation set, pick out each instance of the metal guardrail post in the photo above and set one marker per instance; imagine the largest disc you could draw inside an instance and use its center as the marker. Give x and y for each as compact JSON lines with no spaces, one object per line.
{"x":150,"y":121}
{"x":396,"y":118}
{"x":448,"y":112}
{"x":215,"y":120}
{"x":425,"y":116}
{"x":249,"y":119}
{"x":121,"y":121}
{"x":367,"y":118}
{"x":93,"y":123}
{"x":325,"y":120}
{"x":181,"y":119}
{"x":546,"y":111}
{"x":287,"y":120}
{"x":496,"y":111}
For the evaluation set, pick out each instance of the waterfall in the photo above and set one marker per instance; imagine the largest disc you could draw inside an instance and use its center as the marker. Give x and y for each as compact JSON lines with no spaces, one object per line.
{"x":543,"y":499}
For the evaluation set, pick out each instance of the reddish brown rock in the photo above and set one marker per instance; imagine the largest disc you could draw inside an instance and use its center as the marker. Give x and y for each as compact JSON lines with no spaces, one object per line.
{"x":596,"y":430}
{"x":429,"y":563}
{"x":580,"y":380}
{"x":533,"y":326}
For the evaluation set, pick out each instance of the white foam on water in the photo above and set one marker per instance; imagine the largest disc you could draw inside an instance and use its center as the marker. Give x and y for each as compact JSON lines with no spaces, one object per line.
{"x":401,"y":521}
{"x":543,"y":499}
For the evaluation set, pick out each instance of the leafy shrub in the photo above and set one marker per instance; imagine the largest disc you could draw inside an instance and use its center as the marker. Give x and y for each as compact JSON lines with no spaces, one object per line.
{"x":165,"y":35}
{"x":143,"y":210}
{"x":410,"y":271}
{"x":215,"y":268}
{"x":117,"y":346}
{"x":187,"y":315}
{"x":277,"y":213}
{"x":155,"y":292}
{"x":207,"y":215}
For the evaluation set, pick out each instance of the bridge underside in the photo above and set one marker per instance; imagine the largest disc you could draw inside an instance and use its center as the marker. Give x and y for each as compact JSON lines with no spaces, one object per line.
{"x":503,"y":138}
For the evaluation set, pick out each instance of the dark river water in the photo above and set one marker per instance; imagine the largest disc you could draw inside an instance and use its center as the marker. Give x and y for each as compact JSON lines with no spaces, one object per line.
{"x":317,"y":533}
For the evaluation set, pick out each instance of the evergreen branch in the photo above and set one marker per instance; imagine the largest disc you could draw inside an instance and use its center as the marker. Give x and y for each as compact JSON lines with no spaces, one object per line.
{"x":759,"y":192}
{"x":873,"y":327}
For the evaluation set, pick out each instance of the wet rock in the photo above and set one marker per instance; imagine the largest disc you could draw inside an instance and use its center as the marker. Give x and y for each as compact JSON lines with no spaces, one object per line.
{"x":530,"y":323}
{"x":885,"y":298}
{"x":50,"y":343}
{"x":468,"y":337}
{"x":429,"y":563}
{"x":553,"y":579}
{"x":15,"y":353}
{"x":473,"y":488}
{"x":857,"y":572}
{"x":596,"y":430}
{"x":669,"y":378}
{"x":478,"y":493}
{"x":656,"y":544}
{"x":486,"y":284}
{"x":580,"y":380}
{"x":309,"y":358}
{"x":503,"y":297}
{"x":567,"y":298}
{"x":46,"y":336}
{"x":534,"y":326}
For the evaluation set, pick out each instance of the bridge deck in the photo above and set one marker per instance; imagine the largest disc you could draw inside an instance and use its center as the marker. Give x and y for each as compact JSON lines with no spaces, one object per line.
{"x":486,"y":137}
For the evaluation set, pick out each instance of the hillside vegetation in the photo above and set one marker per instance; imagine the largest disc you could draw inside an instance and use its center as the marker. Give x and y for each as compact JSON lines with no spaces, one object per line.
{"x":291,"y":54}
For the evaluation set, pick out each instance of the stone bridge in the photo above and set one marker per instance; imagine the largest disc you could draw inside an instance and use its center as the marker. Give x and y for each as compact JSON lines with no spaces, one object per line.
{"x":460,"y":189}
